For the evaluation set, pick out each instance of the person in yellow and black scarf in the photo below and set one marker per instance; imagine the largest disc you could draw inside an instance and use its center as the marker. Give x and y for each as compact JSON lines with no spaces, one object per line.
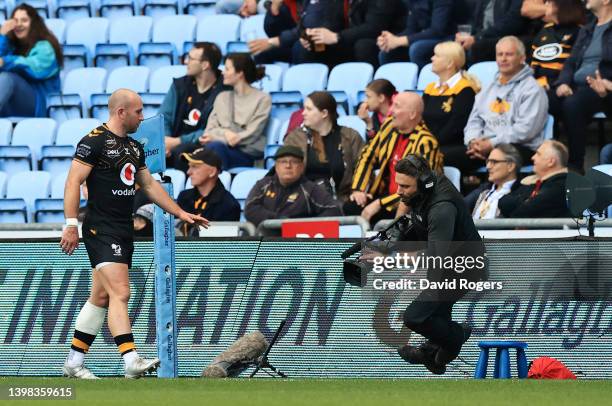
{"x":374,"y":189}
{"x":553,"y":44}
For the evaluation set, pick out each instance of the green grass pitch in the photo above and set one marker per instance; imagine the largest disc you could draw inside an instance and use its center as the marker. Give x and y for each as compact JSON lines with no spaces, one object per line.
{"x":269,"y":392}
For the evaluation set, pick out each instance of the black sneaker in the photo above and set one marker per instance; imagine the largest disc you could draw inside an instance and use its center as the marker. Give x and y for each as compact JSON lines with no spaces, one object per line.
{"x":424,"y":354}
{"x":444,"y":356}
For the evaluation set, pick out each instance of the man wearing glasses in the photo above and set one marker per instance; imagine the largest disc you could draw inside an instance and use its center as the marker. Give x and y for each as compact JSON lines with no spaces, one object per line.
{"x":286,"y":193}
{"x":190,"y":100}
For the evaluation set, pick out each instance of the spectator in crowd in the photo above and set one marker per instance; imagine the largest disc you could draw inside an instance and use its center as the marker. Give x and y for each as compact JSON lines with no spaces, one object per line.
{"x":513,"y":109}
{"x":282,"y":15}
{"x":541,"y":195}
{"x":190,"y":100}
{"x":377,"y":106}
{"x":449,"y":100}
{"x":287,"y":193}
{"x":428,"y":22}
{"x":552,"y":45}
{"x":244,"y":8}
{"x":208,"y":197}
{"x":30,"y":62}
{"x":330,"y":151}
{"x":374,"y":189}
{"x":357,"y":42}
{"x":235,"y":128}
{"x":503,"y":166}
{"x":493,"y":19}
{"x":603,"y":88}
{"x":143,"y":220}
{"x":576,"y":100}
{"x":284,"y":42}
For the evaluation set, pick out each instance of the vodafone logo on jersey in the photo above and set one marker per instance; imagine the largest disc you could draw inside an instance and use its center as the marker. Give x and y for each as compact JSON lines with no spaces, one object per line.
{"x":128,"y":173}
{"x":193,"y":117}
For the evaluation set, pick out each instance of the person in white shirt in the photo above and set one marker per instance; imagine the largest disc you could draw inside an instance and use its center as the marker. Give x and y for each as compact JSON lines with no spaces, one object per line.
{"x":503,"y":165}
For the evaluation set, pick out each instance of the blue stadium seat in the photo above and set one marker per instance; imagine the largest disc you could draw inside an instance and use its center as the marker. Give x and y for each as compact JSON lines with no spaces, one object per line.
{"x":237,"y":46}
{"x":57,"y":27}
{"x":253,"y":28}
{"x":40,"y":5}
{"x":57,"y":186}
{"x":151,"y":103}
{"x":284,"y":104}
{"x":62,"y":107}
{"x":6,"y":130}
{"x":269,"y":153}
{"x":403,"y":75}
{"x":350,"y":77}
{"x":13,"y":211}
{"x":305,"y":78}
{"x":3,"y":179}
{"x":75,"y":56}
{"x":131,"y":31}
{"x":113,"y":9}
{"x":272,"y":81}
{"x":283,"y":131}
{"x":161,"y":79}
{"x":178,"y":178}
{"x":485,"y":72}
{"x":49,"y":210}
{"x":4,"y":12}
{"x":56,"y":159}
{"x":112,"y":56}
{"x":14,"y":159}
{"x":34,"y":133}
{"x":219,"y":28}
{"x":70,"y":132}
{"x":454,"y":175}
{"x":29,"y":186}
{"x":169,"y":35}
{"x":272,"y":129}
{"x":200,"y":8}
{"x":160,"y":8}
{"x":426,"y":76}
{"x":99,"y":106}
{"x":355,"y":123}
{"x":72,"y":10}
{"x":343,"y":101}
{"x":130,"y":77}
{"x":243,"y":183}
{"x":88,"y":32}
{"x":155,"y":55}
{"x":85,"y":82}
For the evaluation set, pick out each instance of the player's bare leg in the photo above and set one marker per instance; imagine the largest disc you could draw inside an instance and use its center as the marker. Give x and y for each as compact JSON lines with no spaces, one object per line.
{"x":115,"y":279}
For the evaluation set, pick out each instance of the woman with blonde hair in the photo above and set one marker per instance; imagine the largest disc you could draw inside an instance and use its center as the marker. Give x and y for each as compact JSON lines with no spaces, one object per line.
{"x":449,"y":100}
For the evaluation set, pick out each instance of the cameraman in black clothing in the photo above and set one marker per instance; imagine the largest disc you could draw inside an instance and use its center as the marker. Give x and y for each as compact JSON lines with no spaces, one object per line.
{"x":439,"y":216}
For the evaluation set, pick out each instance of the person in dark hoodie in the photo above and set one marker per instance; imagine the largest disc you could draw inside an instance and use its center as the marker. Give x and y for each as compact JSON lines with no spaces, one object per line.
{"x":190,"y":100}
{"x":541,"y":195}
{"x":439,"y":217}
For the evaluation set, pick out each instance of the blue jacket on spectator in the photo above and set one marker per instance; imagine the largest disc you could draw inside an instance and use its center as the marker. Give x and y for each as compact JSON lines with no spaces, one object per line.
{"x":39,"y":67}
{"x":582,"y":42}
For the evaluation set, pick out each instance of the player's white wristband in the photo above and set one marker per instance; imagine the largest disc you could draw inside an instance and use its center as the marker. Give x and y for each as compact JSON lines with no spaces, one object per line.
{"x":72,"y":222}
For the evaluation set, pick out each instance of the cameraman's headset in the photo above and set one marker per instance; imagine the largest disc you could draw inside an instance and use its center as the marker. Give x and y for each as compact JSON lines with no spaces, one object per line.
{"x":427,"y":179}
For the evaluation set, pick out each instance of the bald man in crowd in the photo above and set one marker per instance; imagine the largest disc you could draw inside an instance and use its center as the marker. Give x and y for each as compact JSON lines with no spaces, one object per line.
{"x":374,"y":195}
{"x":541,"y":195}
{"x":111,"y":163}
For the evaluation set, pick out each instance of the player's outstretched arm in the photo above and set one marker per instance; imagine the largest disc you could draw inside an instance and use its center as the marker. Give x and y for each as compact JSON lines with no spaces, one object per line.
{"x":72,"y":192}
{"x":159,"y":196}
